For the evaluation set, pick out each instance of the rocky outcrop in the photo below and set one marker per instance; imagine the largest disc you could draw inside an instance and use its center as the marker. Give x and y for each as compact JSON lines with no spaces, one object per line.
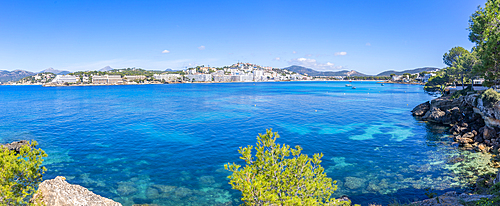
{"x":58,"y":192}
{"x":16,"y":146}
{"x":421,"y":109}
{"x":451,"y":198}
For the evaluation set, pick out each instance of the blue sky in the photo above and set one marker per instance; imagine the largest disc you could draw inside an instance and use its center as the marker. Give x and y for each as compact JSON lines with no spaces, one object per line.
{"x":366,"y":36}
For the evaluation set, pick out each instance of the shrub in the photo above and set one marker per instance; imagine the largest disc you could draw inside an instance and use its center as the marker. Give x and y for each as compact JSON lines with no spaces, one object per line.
{"x":490,"y":97}
{"x":20,"y":174}
{"x":272,"y":177}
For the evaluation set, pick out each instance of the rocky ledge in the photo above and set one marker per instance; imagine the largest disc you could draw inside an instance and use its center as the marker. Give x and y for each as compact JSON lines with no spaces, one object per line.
{"x":474,"y":122}
{"x":58,"y":192}
{"x":16,"y":146}
{"x":451,"y":198}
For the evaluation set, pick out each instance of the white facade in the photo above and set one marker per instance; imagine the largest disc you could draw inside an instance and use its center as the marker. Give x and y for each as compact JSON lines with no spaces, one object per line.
{"x":200,"y":77}
{"x":60,"y":79}
{"x":168,"y":77}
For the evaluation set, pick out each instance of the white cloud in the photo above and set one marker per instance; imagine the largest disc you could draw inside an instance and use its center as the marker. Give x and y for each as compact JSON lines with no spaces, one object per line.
{"x":277,"y":59}
{"x":368,"y":44}
{"x":165,"y":51}
{"x":312,"y":63}
{"x":294,"y":52}
{"x":340,"y":53}
{"x":201,"y":47}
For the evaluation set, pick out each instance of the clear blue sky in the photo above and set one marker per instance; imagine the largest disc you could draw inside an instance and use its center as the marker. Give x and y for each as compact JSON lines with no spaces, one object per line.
{"x":367,"y":36}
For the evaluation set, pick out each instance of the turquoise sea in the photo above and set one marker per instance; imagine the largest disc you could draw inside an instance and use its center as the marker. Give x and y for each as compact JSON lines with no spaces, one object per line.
{"x":167,"y":144}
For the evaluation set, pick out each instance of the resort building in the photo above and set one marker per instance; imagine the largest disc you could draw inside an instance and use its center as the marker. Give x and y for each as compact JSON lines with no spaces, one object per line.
{"x":60,"y":79}
{"x":107,"y":79}
{"x":199,"y":77}
{"x":133,"y":78}
{"x":168,"y":77}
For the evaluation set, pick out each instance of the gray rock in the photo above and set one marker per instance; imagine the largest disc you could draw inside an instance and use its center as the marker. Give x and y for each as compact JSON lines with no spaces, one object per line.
{"x":434,"y":115}
{"x":16,"y":146}
{"x":58,"y":192}
{"x":421,"y":109}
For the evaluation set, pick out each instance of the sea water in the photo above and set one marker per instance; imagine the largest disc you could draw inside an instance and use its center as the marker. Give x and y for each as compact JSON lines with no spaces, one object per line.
{"x":167,"y":144}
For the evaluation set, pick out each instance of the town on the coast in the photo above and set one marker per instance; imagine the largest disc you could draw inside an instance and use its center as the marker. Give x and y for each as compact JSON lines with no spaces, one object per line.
{"x":239,"y":72}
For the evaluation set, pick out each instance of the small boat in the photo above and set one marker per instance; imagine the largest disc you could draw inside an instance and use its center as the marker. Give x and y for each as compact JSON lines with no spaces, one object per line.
{"x":353,"y":87}
{"x":348,"y":85}
{"x":382,"y":84}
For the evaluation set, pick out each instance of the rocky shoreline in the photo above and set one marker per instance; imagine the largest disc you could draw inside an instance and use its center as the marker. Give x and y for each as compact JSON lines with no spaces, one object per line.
{"x":474,"y":123}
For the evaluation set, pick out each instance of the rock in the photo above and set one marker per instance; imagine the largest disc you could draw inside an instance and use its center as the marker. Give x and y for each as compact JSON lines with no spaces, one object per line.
{"x":152,"y":193}
{"x":434,"y":115}
{"x":126,"y":188}
{"x":489,"y":133}
{"x":183,"y":192}
{"x":58,"y":192}
{"x":469,"y":135}
{"x":421,"y":109}
{"x":354,"y":182}
{"x":463,"y":140}
{"x":451,"y":198}
{"x":16,"y":146}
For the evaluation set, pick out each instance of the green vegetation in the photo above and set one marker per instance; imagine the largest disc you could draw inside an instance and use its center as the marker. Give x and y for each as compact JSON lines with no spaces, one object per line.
{"x":272,"y":177}
{"x":20,"y":174}
{"x":484,"y":32}
{"x":490,"y":97}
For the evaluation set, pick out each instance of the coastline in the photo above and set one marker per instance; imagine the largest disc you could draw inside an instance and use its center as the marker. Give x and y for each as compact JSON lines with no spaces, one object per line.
{"x":323,"y":80}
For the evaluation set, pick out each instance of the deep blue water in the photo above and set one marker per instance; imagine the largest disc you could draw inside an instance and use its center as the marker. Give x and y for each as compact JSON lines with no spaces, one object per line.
{"x":167,"y":144}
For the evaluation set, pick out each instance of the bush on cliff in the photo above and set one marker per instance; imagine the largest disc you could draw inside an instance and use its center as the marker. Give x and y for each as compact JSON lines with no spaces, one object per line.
{"x":272,"y":177}
{"x":490,"y":97}
{"x":20,"y":173}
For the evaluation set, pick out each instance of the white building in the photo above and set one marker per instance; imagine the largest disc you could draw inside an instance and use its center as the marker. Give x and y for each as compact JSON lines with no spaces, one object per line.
{"x":168,"y":77}
{"x":199,"y":77}
{"x":60,"y":79}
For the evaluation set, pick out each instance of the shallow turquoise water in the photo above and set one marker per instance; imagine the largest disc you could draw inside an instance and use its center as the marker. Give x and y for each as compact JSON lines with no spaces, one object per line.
{"x":167,"y":144}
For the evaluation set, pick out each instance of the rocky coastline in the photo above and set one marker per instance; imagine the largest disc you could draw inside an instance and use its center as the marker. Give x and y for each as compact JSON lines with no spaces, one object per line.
{"x":474,"y":122}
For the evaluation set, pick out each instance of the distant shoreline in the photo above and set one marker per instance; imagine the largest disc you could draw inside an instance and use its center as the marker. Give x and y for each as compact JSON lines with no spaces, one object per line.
{"x":326,"y":80}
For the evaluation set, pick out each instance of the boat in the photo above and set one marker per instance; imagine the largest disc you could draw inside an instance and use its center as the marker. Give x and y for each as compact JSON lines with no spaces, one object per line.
{"x":348,"y":85}
{"x":382,"y":84}
{"x":353,"y":87}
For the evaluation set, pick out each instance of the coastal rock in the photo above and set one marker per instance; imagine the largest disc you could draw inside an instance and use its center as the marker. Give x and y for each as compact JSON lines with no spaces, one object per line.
{"x":16,"y":146}
{"x":58,"y":192}
{"x":354,"y":182}
{"x":489,"y":133}
{"x":434,"y":115}
{"x":463,"y":140}
{"x":421,"y":109}
{"x":451,"y":198}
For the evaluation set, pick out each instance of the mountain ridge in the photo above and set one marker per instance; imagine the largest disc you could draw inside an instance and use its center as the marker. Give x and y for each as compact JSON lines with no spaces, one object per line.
{"x":312,"y":72}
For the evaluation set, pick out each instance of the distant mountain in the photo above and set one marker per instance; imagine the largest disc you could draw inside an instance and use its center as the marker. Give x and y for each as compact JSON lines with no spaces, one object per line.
{"x":55,"y":71}
{"x":411,"y":71}
{"x":105,"y":69}
{"x":15,"y":75}
{"x":312,"y":72}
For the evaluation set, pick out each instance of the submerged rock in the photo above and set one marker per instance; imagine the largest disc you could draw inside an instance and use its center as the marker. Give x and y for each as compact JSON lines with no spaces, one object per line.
{"x":58,"y":192}
{"x":354,"y":182}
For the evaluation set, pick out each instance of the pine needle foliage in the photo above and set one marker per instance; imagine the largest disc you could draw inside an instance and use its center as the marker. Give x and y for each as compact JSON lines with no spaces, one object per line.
{"x":20,"y":174}
{"x":279,"y":175}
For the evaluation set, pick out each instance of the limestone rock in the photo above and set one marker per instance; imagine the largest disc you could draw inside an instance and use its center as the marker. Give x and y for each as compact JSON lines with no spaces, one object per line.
{"x":58,"y":192}
{"x":16,"y":146}
{"x":434,"y":115}
{"x":451,"y":198}
{"x":421,"y":109}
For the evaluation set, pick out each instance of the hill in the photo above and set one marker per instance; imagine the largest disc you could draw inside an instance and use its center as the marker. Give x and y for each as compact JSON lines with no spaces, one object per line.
{"x":411,"y":71}
{"x":312,"y":72}
{"x":15,"y":75}
{"x":105,"y":69}
{"x":55,"y":71}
